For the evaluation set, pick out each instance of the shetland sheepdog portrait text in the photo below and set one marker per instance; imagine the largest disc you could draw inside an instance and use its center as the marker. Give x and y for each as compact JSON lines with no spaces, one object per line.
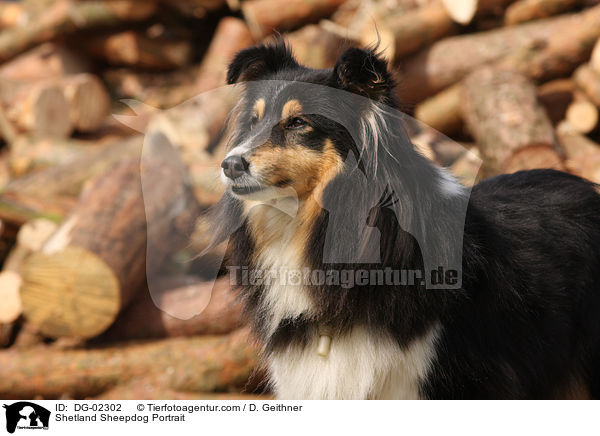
{"x":368,"y":272}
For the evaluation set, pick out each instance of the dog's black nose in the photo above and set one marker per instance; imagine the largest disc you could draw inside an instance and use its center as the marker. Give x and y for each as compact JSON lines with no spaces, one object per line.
{"x":234,"y":166}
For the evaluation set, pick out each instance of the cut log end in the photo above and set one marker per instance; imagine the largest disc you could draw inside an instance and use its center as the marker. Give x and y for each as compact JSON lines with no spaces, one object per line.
{"x":535,"y":156}
{"x":70,"y":293}
{"x":11,"y":308}
{"x":461,"y":11}
{"x":582,"y":115}
{"x":89,"y":101}
{"x":46,"y":112}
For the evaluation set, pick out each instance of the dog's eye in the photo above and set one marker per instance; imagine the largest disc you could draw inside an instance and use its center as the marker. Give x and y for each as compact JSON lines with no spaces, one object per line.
{"x":253,"y":120}
{"x":295,"y":123}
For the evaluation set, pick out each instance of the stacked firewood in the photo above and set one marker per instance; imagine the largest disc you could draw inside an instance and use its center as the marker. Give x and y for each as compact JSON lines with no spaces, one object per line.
{"x":96,"y":299}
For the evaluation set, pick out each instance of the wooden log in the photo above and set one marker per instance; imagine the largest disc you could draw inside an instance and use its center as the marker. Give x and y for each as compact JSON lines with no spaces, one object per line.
{"x":97,"y":260}
{"x":583,"y":154}
{"x":582,"y":115}
{"x":29,"y":154}
{"x":147,"y":389}
{"x":463,"y":11}
{"x":442,"y":111}
{"x":404,"y":34}
{"x":467,"y":167}
{"x":130,"y":48}
{"x":30,"y":238}
{"x":447,"y":151}
{"x":200,"y":364}
{"x":69,"y":177}
{"x":556,"y":96}
{"x":39,"y":108}
{"x":11,"y":14}
{"x":595,"y":57}
{"x":179,"y":306}
{"x":317,"y":47}
{"x":513,"y":132}
{"x":195,"y":8}
{"x":588,"y":81}
{"x":557,"y":57}
{"x":265,"y":16}
{"x":195,"y":128}
{"x":64,"y":17}
{"x":170,"y":89}
{"x":17,"y":211}
{"x":49,"y":60}
{"x":231,"y":36}
{"x":528,"y":10}
{"x":88,"y":100}
{"x":11,"y":308}
{"x":449,"y":60}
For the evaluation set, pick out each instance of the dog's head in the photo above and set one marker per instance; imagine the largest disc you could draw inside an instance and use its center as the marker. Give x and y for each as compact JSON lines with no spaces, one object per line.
{"x":291,"y":127}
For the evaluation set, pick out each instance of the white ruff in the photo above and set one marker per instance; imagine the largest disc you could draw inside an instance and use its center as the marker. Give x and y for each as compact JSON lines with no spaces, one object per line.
{"x":281,"y":299}
{"x":360,"y":365}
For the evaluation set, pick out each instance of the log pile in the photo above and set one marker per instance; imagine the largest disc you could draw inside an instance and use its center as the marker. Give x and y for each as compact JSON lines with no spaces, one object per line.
{"x":99,"y":276}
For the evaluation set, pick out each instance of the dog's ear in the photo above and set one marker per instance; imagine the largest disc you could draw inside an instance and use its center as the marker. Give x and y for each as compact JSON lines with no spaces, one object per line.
{"x":363,"y":72}
{"x":256,"y":62}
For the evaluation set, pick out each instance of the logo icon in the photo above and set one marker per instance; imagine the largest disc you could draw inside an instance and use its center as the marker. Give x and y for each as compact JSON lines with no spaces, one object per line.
{"x":26,"y":415}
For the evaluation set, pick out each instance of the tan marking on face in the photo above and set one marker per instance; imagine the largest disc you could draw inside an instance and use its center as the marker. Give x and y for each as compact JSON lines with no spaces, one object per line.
{"x":308,"y":172}
{"x":290,"y":109}
{"x":259,"y":108}
{"x":331,"y":166}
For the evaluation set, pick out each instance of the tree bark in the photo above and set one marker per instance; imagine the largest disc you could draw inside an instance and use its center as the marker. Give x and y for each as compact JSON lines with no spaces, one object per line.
{"x":541,"y":61}
{"x":588,"y":81}
{"x":195,"y":8}
{"x":90,"y":269}
{"x":133,"y":49}
{"x":442,"y":111}
{"x":170,"y":89}
{"x":167,"y":314}
{"x":512,"y":130}
{"x":556,"y":96}
{"x":451,"y":59}
{"x":595,"y":58}
{"x":231,"y":36}
{"x":528,"y":10}
{"x":463,"y":11}
{"x":64,"y":17}
{"x":265,"y":16}
{"x":404,"y":34}
{"x":49,"y":60}
{"x":67,"y":179}
{"x":200,"y":364}
{"x":317,"y":47}
{"x":583,"y":155}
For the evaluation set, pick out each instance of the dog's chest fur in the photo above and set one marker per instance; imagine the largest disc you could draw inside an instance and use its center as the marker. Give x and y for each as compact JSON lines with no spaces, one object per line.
{"x":361,"y":364}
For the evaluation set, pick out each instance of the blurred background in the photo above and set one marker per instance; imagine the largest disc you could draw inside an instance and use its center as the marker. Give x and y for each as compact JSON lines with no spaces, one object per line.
{"x":494,"y":86}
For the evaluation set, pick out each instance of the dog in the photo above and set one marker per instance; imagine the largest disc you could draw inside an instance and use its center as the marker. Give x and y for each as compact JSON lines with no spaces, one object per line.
{"x":321,"y":176}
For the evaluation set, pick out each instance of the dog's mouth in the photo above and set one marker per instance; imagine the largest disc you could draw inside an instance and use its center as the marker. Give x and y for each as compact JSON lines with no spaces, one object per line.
{"x":246,"y":190}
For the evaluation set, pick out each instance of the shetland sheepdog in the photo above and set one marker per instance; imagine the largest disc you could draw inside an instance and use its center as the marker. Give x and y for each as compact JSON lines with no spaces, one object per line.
{"x":323,"y":182}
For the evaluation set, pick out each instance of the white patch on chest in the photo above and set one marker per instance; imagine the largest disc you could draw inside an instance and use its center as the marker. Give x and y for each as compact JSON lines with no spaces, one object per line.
{"x":280,"y":256}
{"x":360,"y":365}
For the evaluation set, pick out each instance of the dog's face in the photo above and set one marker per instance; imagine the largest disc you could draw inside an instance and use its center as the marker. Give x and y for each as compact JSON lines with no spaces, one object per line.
{"x":284,"y":143}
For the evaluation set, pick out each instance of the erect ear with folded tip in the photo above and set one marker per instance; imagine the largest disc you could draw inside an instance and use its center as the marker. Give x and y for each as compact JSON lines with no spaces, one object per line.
{"x":256,"y":62}
{"x":363,"y":72}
